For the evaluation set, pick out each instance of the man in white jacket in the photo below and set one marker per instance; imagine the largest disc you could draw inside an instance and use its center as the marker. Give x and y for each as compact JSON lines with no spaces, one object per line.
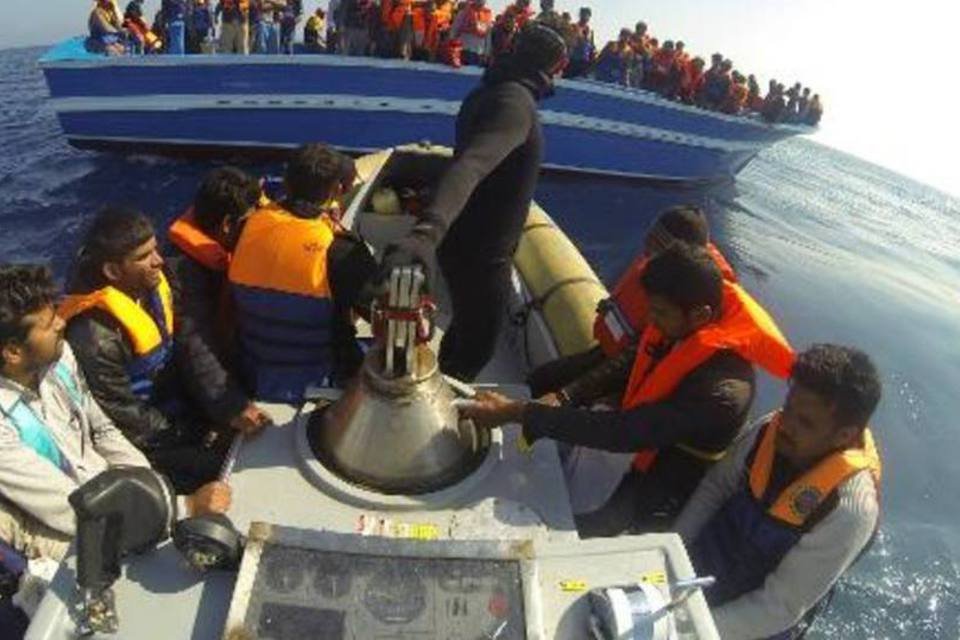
{"x":53,"y":436}
{"x":793,"y":504}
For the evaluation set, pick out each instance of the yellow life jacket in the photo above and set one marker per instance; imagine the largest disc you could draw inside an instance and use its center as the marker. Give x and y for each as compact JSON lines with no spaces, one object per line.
{"x":149,"y":330}
{"x":806,"y":493}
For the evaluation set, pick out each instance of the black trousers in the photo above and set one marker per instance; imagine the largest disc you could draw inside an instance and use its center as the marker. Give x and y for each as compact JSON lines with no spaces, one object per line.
{"x":479,"y":295}
{"x":646,"y":502}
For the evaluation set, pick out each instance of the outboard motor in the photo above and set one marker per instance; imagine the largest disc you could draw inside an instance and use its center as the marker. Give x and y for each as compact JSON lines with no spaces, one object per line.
{"x":396,"y":428}
{"x":122,"y":511}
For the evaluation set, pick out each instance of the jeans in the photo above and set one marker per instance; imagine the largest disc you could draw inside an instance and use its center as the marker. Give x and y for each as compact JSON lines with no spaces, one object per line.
{"x":267,"y":38}
{"x":176,"y":31}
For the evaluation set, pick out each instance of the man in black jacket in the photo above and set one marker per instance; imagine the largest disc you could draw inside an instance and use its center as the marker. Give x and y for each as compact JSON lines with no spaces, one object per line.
{"x":688,"y":396}
{"x":204,"y":237}
{"x":480,"y":206}
{"x":120,"y":326}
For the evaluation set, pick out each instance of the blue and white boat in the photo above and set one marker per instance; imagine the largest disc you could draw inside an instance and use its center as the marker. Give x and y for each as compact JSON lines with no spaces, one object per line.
{"x":225,"y":103}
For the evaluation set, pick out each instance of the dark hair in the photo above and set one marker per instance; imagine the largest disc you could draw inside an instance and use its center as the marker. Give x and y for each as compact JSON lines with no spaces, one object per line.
{"x":114,"y":233}
{"x":226,"y":193}
{"x":686,"y":223}
{"x":313,"y":172}
{"x":843,"y":376}
{"x":686,"y":276}
{"x":24,"y":289}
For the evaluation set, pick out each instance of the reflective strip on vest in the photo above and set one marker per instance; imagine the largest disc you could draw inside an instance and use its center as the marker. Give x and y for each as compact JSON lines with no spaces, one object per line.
{"x":194,"y":241}
{"x":149,"y":330}
{"x":284,"y":307}
{"x":744,"y":327}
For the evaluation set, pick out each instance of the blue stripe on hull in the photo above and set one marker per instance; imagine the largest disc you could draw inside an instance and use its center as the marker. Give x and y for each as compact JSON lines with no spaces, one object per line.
{"x":566,"y":147}
{"x":414,"y":83}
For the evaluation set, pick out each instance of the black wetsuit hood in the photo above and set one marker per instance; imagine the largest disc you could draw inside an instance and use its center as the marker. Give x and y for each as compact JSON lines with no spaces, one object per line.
{"x":509,"y":69}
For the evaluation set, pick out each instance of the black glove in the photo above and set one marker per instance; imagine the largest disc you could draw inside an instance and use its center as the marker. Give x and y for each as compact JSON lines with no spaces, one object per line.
{"x":415,"y":249}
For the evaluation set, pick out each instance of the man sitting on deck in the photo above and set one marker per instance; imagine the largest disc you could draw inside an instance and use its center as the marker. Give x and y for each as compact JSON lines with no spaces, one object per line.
{"x":120,"y":318}
{"x":794,"y":503}
{"x":688,"y":395}
{"x":53,"y":435}
{"x":204,"y":238}
{"x":297,"y":276}
{"x":582,"y":379}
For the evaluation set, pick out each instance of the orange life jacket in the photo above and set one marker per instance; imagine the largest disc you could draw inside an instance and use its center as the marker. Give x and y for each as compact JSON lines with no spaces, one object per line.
{"x":812,"y":488}
{"x":194,"y":241}
{"x":621,"y":317}
{"x":744,"y":327}
{"x":242,"y":5}
{"x":479,"y":20}
{"x":738,"y":95}
{"x":663,"y":60}
{"x":142,"y":33}
{"x":284,"y":302}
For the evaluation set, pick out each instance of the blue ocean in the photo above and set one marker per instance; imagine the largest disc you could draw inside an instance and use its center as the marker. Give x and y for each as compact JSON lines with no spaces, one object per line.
{"x":838,"y":249}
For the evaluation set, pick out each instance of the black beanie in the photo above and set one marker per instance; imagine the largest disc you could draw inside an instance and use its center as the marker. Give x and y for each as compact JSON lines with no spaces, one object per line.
{"x":541,"y":48}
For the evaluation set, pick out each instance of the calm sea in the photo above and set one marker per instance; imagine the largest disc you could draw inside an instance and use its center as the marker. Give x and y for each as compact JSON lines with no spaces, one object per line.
{"x":839,"y":249}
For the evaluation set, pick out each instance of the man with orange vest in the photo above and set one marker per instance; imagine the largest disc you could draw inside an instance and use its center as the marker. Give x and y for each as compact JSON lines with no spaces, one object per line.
{"x":297,"y":276}
{"x":120,"y":324}
{"x":688,"y":394}
{"x":204,"y":238}
{"x":584,"y":378}
{"x":520,"y":11}
{"x":472,"y":27}
{"x":794,"y":503}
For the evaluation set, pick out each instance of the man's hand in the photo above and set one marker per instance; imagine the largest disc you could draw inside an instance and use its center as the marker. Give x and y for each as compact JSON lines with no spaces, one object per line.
{"x":213,"y":497}
{"x":251,"y":420}
{"x":411,"y":250}
{"x":490,"y":410}
{"x":551,"y":400}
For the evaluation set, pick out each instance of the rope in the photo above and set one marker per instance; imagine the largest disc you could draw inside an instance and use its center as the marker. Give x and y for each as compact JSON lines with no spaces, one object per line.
{"x":521,"y":318}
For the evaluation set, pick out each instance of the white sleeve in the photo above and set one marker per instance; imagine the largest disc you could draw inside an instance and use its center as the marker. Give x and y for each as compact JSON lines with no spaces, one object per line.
{"x":108,"y":441}
{"x":809,"y":570}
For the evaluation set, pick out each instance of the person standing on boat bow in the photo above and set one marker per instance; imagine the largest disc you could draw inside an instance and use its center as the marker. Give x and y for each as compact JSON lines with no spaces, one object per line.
{"x":474,"y":222}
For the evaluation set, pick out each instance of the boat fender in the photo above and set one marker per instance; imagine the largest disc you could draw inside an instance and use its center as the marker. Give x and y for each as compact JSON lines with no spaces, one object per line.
{"x":563,"y":288}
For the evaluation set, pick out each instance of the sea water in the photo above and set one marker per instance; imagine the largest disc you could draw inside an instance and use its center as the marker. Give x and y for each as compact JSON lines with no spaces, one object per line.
{"x":837,"y":249}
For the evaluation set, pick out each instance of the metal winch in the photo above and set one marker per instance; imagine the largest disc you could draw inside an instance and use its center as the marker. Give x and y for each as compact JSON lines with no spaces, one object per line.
{"x":396,"y":428}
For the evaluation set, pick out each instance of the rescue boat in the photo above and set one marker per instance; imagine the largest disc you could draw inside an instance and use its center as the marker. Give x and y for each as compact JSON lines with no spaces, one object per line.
{"x":229,"y":104}
{"x":376,"y":512}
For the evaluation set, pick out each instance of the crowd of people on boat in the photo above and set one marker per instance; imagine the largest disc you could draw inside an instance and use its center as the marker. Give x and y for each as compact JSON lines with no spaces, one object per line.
{"x":455,"y":33}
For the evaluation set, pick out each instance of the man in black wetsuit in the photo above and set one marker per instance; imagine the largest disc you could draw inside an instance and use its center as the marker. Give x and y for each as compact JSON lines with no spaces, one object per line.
{"x":480,"y":206}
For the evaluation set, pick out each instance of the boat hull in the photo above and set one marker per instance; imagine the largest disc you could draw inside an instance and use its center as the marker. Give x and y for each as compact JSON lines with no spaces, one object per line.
{"x":272,"y":103}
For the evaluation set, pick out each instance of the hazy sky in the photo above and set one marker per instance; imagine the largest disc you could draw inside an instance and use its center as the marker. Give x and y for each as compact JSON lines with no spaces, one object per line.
{"x":886,"y":69}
